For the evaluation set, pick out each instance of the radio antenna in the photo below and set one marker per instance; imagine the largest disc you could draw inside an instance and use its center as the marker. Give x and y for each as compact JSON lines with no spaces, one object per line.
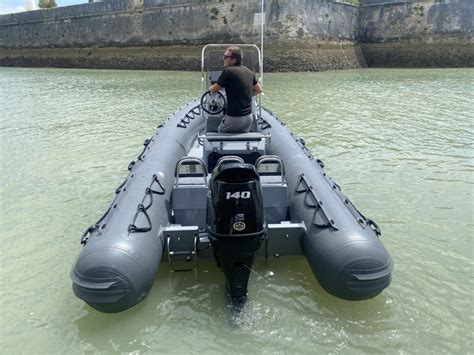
{"x":261,"y":41}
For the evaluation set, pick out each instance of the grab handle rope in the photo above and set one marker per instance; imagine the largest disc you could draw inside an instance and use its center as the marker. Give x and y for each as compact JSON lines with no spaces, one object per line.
{"x":143,"y":210}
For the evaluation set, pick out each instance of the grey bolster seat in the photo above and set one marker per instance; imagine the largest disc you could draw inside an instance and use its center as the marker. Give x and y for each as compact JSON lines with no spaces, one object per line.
{"x":274,"y":188}
{"x":189,"y":196}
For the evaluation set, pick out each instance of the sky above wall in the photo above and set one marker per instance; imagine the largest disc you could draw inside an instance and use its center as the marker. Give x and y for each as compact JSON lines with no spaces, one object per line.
{"x":12,"y":6}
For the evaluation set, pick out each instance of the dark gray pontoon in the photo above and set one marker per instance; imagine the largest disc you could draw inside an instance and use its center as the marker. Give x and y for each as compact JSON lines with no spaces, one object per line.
{"x":194,"y":193}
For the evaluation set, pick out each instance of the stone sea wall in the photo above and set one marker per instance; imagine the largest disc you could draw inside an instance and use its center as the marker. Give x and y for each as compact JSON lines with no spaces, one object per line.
{"x":300,"y":35}
{"x":166,"y":22}
{"x":164,"y":34}
{"x":404,"y":33}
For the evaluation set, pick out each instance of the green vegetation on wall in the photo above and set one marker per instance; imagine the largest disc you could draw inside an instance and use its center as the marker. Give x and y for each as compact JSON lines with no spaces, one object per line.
{"x":47,"y":4}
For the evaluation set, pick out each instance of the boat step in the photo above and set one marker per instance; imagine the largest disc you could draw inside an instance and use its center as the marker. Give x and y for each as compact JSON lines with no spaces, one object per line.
{"x":181,"y":247}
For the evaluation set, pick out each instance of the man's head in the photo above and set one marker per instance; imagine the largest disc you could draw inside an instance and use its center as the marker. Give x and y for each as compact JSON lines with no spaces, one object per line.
{"x":233,"y":56}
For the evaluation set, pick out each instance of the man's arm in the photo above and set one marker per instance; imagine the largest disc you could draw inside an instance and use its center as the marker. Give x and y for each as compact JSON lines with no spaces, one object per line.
{"x":257,"y":89}
{"x":215,"y":88}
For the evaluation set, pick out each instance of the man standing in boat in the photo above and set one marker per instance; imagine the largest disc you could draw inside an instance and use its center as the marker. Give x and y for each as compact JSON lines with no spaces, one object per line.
{"x":240,"y":85}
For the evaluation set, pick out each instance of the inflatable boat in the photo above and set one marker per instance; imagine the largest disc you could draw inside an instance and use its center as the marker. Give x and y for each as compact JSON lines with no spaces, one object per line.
{"x":194,"y":193}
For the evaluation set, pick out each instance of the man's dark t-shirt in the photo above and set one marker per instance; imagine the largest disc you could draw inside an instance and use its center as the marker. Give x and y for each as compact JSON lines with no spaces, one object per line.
{"x":238,"y":82}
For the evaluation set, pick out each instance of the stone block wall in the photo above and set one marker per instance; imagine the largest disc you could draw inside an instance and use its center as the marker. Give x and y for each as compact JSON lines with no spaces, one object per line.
{"x":403,"y":33}
{"x":138,"y":22}
{"x":299,"y":34}
{"x":320,"y":33}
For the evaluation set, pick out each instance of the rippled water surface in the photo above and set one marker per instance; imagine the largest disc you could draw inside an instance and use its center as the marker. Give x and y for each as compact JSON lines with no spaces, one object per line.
{"x":399,"y":142}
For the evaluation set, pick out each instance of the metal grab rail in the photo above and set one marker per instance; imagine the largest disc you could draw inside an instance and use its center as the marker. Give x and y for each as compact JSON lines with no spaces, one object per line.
{"x":228,"y":137}
{"x":266,"y":159}
{"x":229,"y":159}
{"x":190,"y":161}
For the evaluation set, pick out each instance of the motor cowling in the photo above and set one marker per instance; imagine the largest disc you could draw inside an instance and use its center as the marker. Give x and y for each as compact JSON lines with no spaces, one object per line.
{"x":236,"y":222}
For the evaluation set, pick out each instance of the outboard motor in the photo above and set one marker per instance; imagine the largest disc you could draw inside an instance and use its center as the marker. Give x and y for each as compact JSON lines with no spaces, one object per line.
{"x":235,"y":222}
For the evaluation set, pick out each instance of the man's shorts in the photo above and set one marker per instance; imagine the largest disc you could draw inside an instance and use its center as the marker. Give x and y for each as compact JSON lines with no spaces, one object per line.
{"x":235,"y":124}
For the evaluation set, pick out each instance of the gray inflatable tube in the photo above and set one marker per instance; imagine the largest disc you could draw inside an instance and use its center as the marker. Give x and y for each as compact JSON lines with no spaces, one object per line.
{"x":341,"y":245}
{"x":117,"y":266}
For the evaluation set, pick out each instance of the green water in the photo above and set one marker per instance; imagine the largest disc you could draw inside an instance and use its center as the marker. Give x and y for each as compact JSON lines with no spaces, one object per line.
{"x":399,"y":142}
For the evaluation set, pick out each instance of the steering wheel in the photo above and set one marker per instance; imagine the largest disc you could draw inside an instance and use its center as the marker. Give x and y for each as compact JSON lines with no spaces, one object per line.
{"x":213,"y":102}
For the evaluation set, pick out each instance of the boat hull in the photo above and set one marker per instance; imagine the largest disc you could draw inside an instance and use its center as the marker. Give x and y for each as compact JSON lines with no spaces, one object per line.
{"x":122,"y":252}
